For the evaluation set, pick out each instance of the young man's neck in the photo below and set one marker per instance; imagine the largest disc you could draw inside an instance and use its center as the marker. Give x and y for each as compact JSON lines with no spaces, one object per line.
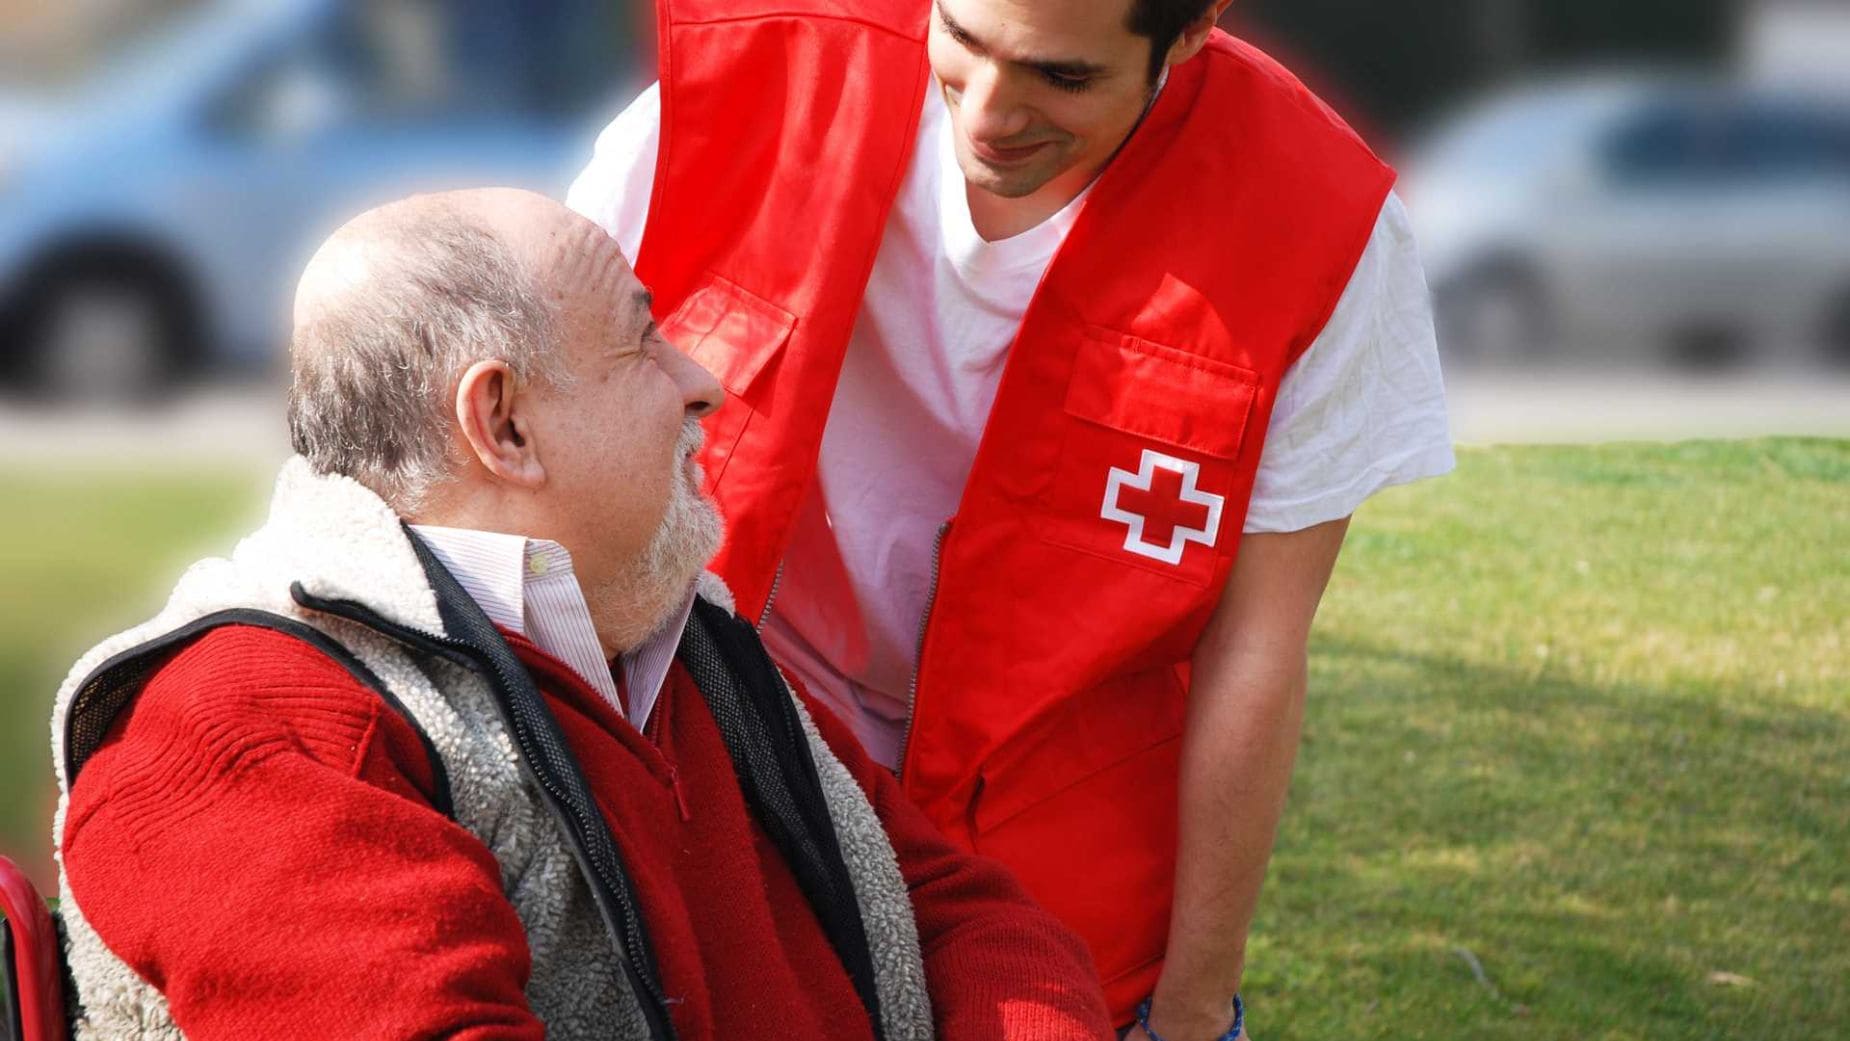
{"x":996,"y":218}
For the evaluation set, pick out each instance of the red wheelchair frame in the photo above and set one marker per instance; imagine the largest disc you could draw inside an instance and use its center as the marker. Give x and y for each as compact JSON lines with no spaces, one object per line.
{"x":34,"y":979}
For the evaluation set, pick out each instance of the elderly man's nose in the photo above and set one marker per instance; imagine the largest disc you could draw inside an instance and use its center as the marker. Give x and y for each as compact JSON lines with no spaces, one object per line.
{"x":700,"y":390}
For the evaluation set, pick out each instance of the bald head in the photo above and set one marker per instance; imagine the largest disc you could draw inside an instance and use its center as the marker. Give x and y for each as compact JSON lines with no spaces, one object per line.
{"x":381,"y":242}
{"x":400,"y":300}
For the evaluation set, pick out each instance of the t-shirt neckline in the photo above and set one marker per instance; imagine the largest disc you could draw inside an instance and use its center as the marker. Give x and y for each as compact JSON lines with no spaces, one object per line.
{"x":967,"y":249}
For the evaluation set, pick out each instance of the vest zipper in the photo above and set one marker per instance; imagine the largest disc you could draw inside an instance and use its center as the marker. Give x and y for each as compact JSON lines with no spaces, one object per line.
{"x":918,"y":663}
{"x":680,"y":799}
{"x":469,"y":656}
{"x":770,"y":598}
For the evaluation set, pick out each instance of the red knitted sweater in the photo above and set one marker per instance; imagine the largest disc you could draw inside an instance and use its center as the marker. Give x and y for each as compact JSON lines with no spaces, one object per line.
{"x":256,"y":840}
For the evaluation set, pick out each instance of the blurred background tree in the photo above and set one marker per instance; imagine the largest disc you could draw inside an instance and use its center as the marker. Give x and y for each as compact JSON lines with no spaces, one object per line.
{"x":1394,"y":66}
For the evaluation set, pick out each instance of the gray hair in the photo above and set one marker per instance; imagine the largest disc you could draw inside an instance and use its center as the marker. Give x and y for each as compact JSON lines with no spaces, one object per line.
{"x":373,"y":369}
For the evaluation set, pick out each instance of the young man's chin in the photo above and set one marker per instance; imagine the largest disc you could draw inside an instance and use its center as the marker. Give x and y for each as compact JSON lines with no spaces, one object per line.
{"x":1007,"y":184}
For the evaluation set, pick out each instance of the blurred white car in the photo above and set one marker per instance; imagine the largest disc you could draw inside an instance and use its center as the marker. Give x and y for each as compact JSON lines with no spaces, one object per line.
{"x":152,"y":225}
{"x":1667,"y":219}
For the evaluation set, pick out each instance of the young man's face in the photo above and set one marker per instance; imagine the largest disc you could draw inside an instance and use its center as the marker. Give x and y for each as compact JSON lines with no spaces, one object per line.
{"x":1040,"y":92}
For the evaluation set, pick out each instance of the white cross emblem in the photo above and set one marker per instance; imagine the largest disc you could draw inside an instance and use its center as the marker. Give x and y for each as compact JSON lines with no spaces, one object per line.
{"x":1180,"y":533}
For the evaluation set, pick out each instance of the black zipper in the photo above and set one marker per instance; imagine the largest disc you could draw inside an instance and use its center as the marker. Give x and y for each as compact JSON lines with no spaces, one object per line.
{"x":608,"y":881}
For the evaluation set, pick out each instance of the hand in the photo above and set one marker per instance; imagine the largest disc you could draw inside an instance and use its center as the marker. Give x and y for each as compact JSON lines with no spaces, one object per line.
{"x":1165,"y":1025}
{"x":1137,"y":1033}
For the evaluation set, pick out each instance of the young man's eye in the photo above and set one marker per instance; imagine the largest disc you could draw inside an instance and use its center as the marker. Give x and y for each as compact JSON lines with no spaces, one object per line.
{"x":1071,"y":84}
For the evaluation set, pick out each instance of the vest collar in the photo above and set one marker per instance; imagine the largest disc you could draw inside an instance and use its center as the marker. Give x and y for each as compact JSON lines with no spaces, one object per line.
{"x":340,"y":541}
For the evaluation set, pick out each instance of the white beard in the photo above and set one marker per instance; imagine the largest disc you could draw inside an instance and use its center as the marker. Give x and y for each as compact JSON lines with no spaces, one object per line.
{"x":655,"y":586}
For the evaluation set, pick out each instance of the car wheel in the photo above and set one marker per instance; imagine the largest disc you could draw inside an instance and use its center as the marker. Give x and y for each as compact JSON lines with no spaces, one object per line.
{"x":1497,"y":315}
{"x":1836,"y":339}
{"x":103,"y":333}
{"x":1710,"y":347}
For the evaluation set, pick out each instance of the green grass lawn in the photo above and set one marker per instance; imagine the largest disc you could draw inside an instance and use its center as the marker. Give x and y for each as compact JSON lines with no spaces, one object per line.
{"x":1577,"y":761}
{"x":83,"y":554}
{"x":1580,"y":716}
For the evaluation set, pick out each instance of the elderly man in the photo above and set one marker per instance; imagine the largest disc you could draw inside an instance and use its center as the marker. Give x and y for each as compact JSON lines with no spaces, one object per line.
{"x":452,"y":748}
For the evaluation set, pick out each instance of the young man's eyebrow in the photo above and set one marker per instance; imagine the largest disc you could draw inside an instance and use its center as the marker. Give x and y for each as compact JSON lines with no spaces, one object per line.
{"x":1068,"y":69}
{"x":1071,"y":68}
{"x":950,"y":24}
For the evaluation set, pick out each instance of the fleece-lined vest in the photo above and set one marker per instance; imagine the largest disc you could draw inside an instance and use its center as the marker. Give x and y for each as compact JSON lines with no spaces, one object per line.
{"x":333,"y":566}
{"x":1104,"y":508}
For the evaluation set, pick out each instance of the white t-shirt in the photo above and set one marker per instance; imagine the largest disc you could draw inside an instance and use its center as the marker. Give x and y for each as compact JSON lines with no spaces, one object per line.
{"x":1363,"y":409}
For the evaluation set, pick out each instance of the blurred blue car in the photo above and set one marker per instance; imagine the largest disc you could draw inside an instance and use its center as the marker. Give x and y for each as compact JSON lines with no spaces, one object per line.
{"x":1655,"y":217}
{"x":151,"y":225}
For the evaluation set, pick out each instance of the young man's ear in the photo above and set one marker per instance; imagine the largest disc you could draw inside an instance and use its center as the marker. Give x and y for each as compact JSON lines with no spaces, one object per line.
{"x":492,"y":413}
{"x":1195,"y":36}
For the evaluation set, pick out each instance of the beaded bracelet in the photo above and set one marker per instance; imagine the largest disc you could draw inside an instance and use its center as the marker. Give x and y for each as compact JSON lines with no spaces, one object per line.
{"x":1232,"y":1034}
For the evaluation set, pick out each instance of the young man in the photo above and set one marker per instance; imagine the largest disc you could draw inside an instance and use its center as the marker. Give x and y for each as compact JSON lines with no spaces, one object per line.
{"x":457,"y":745}
{"x":1069,"y":333}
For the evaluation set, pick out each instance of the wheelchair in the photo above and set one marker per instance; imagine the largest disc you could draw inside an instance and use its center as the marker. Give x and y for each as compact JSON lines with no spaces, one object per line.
{"x":32,"y":990}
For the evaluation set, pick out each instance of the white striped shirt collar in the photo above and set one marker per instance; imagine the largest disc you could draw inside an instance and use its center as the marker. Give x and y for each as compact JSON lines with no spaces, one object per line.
{"x":528,"y":586}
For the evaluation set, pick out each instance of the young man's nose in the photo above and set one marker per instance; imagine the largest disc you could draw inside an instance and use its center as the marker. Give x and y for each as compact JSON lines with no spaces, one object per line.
{"x":991,"y":106}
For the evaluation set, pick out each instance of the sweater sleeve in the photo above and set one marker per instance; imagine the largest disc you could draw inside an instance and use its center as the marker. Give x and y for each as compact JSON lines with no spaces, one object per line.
{"x":999,"y":967}
{"x":255,"y":840}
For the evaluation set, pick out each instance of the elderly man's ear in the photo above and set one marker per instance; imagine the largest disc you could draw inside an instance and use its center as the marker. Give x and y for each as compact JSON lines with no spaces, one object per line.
{"x":494,"y":414}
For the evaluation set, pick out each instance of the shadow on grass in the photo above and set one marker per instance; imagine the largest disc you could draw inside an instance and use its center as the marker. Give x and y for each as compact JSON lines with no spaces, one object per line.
{"x":1622,"y":861}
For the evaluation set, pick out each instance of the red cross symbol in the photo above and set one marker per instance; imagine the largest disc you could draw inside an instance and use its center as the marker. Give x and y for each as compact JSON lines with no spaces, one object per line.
{"x":1162,"y":507}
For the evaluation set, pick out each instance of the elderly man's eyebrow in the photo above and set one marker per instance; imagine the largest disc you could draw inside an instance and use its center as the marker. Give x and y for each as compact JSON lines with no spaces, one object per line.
{"x":642,"y":313}
{"x":1071,"y":68}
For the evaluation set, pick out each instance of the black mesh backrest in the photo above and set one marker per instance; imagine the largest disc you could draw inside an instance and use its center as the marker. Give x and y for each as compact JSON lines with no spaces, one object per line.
{"x":10,"y":1028}
{"x":97,"y":704}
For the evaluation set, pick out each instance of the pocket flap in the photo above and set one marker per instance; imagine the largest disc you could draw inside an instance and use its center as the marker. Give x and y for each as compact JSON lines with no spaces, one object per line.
{"x":730,"y":331}
{"x":1101,"y":728}
{"x":1159,"y":392}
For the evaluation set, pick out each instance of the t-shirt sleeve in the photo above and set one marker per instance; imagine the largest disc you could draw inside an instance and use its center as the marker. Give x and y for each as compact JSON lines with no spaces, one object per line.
{"x":614,"y":190}
{"x":1364,"y":408}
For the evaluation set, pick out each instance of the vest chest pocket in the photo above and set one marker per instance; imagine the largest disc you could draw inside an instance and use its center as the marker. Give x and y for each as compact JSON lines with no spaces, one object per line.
{"x":735,"y":335}
{"x":731,"y":331}
{"x":1149,"y":472}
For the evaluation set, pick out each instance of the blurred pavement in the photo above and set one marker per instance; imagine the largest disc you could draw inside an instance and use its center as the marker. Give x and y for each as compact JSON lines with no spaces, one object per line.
{"x":1545,"y":408}
{"x":242,"y":423}
{"x":224,"y":423}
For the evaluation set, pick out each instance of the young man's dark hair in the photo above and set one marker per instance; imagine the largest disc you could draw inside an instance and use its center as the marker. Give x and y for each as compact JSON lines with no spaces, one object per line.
{"x":1163,"y":21}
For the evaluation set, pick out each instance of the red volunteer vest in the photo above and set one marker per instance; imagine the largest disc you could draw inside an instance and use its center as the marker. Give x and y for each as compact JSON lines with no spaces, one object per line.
{"x":1102,"y":514}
